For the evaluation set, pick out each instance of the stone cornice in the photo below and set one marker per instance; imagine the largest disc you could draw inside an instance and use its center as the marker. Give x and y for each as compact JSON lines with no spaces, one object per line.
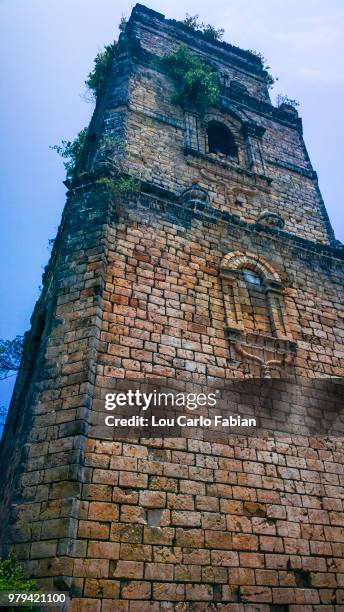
{"x":311,"y":174}
{"x":163,"y":200}
{"x":244,"y":100}
{"x":168,"y":201}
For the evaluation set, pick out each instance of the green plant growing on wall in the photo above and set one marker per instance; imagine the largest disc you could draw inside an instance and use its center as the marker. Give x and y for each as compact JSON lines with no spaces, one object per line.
{"x":197,"y":83}
{"x":111,"y":148}
{"x":71,"y":151}
{"x":191,"y":22}
{"x":51,"y":242}
{"x":96,"y":77}
{"x":119,"y":186}
{"x":259,"y":55}
{"x":270,"y":80}
{"x":12,"y":579}
{"x":282,"y":99}
{"x":209,"y":31}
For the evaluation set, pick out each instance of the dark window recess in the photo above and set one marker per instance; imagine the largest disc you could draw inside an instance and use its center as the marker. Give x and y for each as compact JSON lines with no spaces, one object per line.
{"x":221,"y":140}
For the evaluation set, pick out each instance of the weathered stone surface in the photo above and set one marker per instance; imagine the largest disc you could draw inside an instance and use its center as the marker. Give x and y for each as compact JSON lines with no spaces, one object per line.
{"x":152,"y":288}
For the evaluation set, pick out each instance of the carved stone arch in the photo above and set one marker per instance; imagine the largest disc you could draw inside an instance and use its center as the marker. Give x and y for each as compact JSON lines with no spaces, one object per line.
{"x":247,"y":135}
{"x":233,"y":121}
{"x":252,"y":134}
{"x":233,"y":112}
{"x":230,"y":122}
{"x":271,"y":347}
{"x":228,"y":117}
{"x":236,"y":260}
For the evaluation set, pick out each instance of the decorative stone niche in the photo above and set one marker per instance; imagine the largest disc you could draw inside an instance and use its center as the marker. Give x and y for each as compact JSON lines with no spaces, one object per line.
{"x":255,"y":313}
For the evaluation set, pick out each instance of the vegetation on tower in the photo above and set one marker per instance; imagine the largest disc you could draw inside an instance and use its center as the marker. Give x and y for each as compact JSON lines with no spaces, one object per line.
{"x":102,"y":61}
{"x":209,"y":32}
{"x":97,"y":76}
{"x":283,"y":99}
{"x":119,"y":186}
{"x":71,"y":151}
{"x":197,"y":83}
{"x":270,"y":80}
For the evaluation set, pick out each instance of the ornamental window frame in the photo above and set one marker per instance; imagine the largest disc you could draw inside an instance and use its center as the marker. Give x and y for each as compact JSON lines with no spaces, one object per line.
{"x":270,"y":351}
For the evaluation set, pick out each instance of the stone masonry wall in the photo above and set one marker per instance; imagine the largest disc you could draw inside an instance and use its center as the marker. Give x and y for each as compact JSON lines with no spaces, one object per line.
{"x":152,"y":144}
{"x":149,"y":287}
{"x":213,"y":524}
{"x":164,"y":301}
{"x":155,"y":131}
{"x":216,"y":525}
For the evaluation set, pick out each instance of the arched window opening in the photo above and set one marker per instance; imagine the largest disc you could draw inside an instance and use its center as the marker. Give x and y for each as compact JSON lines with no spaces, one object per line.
{"x":255,"y":308}
{"x":256,"y":324}
{"x":221,"y":140}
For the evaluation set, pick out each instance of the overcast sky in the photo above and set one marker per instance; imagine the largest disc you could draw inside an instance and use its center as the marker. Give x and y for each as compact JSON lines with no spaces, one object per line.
{"x":47,"y":51}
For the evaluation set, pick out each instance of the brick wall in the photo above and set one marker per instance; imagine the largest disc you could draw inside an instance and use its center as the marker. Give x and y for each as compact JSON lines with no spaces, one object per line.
{"x":165,"y":310}
{"x":148,"y":288}
{"x":250,"y":521}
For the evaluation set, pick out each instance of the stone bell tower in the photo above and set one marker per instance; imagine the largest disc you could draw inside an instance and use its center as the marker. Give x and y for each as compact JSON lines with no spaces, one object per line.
{"x":194,"y":249}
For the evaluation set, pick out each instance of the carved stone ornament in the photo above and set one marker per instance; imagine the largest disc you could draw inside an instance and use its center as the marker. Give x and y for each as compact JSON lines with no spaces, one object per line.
{"x":271,"y":219}
{"x":271,"y":351}
{"x":195,"y":195}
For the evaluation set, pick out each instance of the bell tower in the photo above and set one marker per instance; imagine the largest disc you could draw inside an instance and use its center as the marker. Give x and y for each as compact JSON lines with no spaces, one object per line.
{"x":194,"y":251}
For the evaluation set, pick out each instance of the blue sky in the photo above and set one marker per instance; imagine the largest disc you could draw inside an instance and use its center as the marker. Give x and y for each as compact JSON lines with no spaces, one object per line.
{"x":48,"y":47}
